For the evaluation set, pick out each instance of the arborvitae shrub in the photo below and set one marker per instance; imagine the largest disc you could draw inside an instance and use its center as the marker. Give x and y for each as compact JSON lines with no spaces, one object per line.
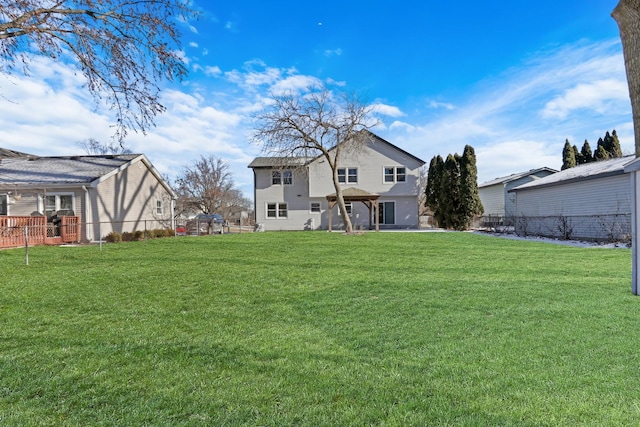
{"x":113,"y":237}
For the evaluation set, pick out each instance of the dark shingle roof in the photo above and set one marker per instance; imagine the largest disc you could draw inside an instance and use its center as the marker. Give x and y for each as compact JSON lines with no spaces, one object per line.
{"x":515,"y":176}
{"x":59,"y":170}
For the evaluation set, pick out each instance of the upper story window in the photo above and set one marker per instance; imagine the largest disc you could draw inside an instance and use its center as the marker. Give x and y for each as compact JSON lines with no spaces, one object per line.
{"x":348,"y":175}
{"x":395,"y":174}
{"x":282,"y":177}
{"x":159,"y":207}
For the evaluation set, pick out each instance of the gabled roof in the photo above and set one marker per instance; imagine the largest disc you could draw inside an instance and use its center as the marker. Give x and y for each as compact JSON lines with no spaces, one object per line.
{"x":68,"y":170}
{"x":584,"y":172}
{"x":275,"y":162}
{"x":515,"y":176}
{"x":6,"y":153}
{"x":271,"y":162}
{"x":59,"y":170}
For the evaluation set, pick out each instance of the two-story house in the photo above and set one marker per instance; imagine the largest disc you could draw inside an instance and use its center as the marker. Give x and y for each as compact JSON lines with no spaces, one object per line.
{"x":380,"y":184}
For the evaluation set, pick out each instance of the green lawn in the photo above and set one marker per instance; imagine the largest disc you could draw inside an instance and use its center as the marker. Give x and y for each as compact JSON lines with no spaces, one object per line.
{"x":315,"y":329}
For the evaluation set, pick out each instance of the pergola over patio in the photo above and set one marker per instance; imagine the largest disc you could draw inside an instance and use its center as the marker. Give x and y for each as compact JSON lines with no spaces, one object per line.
{"x":353,"y":194}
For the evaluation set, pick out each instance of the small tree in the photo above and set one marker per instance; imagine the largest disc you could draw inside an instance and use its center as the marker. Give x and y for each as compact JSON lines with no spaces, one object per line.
{"x":122,"y":47}
{"x":315,"y":124}
{"x":613,"y":145}
{"x":578,"y":154}
{"x":568,"y":156}
{"x":587,"y":155}
{"x":601,"y":152}
{"x":207,"y":186}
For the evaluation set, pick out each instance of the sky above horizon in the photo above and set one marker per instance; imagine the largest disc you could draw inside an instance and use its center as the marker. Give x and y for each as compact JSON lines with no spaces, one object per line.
{"x":512,"y":79}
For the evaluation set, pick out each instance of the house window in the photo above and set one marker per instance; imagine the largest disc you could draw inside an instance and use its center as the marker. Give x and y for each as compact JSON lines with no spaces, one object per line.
{"x":395,"y":174}
{"x":349,"y":207}
{"x":282,"y":177}
{"x":4,"y":204}
{"x":57,"y":202}
{"x":276,"y":210}
{"x":159,"y":209}
{"x":276,"y":178}
{"x":348,"y":175}
{"x":314,"y":207}
{"x":287,"y":178}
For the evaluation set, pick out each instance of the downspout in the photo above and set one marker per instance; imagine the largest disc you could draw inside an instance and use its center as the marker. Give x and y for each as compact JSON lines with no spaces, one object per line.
{"x":173,"y":214}
{"x":87,"y":214}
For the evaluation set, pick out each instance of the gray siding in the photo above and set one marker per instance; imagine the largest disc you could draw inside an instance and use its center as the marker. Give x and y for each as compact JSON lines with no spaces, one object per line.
{"x":593,"y":209}
{"x":492,"y":198}
{"x":314,"y":183}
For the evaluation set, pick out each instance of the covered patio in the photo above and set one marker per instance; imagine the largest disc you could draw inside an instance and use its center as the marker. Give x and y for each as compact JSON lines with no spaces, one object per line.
{"x":353,"y":194}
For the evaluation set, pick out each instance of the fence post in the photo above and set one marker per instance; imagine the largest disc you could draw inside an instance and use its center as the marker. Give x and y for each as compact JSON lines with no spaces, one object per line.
{"x":26,"y":243}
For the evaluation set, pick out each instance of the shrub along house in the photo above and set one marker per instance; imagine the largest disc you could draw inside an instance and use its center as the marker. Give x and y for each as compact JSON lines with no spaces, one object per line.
{"x":380,"y":185}
{"x":105,"y":193}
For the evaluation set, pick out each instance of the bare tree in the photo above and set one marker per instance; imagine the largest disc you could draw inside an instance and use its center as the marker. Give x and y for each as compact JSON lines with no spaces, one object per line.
{"x":627,"y":15}
{"x":92,"y":146}
{"x":315,"y":124}
{"x":122,"y":47}
{"x":207,"y":186}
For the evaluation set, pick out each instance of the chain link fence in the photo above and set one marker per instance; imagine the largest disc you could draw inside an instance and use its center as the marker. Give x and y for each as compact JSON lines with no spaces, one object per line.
{"x":597,"y":228}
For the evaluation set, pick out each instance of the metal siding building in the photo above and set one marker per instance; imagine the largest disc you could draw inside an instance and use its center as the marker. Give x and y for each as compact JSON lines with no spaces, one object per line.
{"x":587,"y":202}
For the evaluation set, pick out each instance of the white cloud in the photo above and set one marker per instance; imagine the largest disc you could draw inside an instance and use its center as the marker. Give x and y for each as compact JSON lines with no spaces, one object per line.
{"x":445,"y":105}
{"x":387,"y":110}
{"x":333,"y":52}
{"x":597,"y":96}
{"x":294,"y":84}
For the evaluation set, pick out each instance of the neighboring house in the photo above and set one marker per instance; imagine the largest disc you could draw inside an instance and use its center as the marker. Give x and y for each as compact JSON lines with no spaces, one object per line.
{"x":498,"y":203}
{"x":586,"y":202}
{"x":108,"y":192}
{"x":298,"y":194}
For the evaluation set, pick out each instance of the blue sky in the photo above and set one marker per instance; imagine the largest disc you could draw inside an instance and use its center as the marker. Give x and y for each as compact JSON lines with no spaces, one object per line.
{"x":512,"y":79}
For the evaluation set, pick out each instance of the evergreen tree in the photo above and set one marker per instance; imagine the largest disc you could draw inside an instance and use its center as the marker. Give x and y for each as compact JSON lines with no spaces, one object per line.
{"x":568,"y":156}
{"x":601,"y":153}
{"x":471,"y":206}
{"x":615,"y":150}
{"x":450,"y":197}
{"x":434,"y":185}
{"x":587,"y":155}
{"x":578,"y":154}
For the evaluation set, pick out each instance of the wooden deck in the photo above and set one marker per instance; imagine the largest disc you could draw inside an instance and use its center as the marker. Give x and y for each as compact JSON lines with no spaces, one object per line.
{"x":39,"y":232}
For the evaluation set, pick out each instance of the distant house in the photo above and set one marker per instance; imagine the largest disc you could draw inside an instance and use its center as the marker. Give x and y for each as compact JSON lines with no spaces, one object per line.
{"x":586,"y":202}
{"x":380,"y":186}
{"x":498,"y":202}
{"x":108,"y":192}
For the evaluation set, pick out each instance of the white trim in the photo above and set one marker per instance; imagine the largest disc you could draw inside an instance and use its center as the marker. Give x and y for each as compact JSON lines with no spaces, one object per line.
{"x":311,"y":207}
{"x":394,"y":174}
{"x":278,"y":204}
